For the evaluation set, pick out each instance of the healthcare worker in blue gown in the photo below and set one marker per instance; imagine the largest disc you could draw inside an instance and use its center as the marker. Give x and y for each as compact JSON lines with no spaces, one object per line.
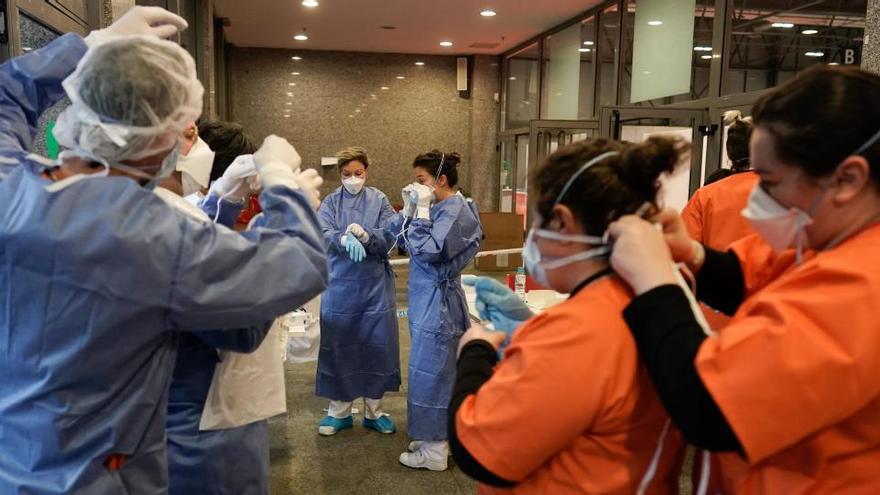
{"x":441,"y":232}
{"x":99,"y":275}
{"x":232,"y":460}
{"x":360,"y":352}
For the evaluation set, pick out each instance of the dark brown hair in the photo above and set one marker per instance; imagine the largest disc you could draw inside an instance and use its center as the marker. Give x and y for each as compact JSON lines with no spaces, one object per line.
{"x":615,"y":186}
{"x":431,"y":160}
{"x":822,"y":116}
{"x":227,"y":140}
{"x":738,"y":135}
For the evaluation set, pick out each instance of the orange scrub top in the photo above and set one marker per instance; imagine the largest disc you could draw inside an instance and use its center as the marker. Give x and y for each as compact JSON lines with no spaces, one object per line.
{"x":570,"y":409}
{"x":713,"y":218}
{"x":797,"y":371}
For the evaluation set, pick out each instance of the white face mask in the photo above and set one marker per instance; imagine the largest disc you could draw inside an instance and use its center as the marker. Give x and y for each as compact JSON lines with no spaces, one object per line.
{"x":353,"y":184}
{"x":781,"y":227}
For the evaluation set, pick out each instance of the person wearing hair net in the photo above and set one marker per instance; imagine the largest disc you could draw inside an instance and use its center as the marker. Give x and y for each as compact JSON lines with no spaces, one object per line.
{"x":99,"y":274}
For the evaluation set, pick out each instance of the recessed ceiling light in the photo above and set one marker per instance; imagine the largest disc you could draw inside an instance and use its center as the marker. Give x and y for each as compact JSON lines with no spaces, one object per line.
{"x":384,"y":88}
{"x":815,"y":54}
{"x":372,"y":96}
{"x":289,"y":94}
{"x":833,"y":63}
{"x":357,"y":110}
{"x":512,"y":78}
{"x":783,"y":25}
{"x":706,"y":57}
{"x":589,"y":43}
{"x":702,"y":48}
{"x":296,"y":58}
{"x":310,"y":3}
{"x":584,"y":50}
{"x":401,"y":77}
{"x":810,"y":31}
{"x":488,"y":13}
{"x":301,"y":37}
{"x":655,"y":23}
{"x":291,"y":84}
{"x":289,"y":103}
{"x":420,"y":64}
{"x":26,"y":48}
{"x":294,"y":73}
{"x":287,"y":116}
{"x":446,"y":44}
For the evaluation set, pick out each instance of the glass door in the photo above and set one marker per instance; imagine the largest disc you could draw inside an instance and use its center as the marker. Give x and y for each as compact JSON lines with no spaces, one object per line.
{"x":637,"y":124}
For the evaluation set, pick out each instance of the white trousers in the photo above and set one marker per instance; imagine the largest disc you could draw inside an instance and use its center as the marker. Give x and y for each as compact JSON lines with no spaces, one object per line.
{"x":339,"y":409}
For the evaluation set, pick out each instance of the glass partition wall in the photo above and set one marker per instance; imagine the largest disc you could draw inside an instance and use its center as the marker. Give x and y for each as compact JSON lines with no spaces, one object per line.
{"x":705,"y":56}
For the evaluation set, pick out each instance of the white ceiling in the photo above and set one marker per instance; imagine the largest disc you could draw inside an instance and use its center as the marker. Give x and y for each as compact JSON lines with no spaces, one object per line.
{"x":355,"y":25}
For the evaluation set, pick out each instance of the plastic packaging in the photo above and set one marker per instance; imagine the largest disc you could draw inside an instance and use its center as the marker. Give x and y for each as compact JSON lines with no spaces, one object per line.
{"x":520,"y":284}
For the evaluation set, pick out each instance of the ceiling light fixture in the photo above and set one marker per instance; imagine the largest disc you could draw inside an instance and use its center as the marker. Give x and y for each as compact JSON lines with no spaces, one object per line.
{"x":815,"y":54}
{"x":291,"y":84}
{"x":296,"y":58}
{"x":589,"y":43}
{"x":446,"y":44}
{"x":706,"y":57}
{"x":512,"y":78}
{"x":384,"y":88}
{"x":310,"y":3}
{"x":810,"y":31}
{"x":401,"y":77}
{"x":301,"y":37}
{"x":783,"y":25}
{"x":420,"y":64}
{"x":584,"y":50}
{"x":488,"y":13}
{"x":655,"y":23}
{"x":294,"y":73}
{"x":702,"y":48}
{"x":833,"y":63}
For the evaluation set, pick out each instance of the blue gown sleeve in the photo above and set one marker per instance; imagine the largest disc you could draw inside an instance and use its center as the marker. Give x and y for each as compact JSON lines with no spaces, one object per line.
{"x":226,"y":279}
{"x":243,"y":340}
{"x":381,"y":239}
{"x":330,"y":231}
{"x":29,"y":85}
{"x":440,"y":239}
{"x":229,"y":210}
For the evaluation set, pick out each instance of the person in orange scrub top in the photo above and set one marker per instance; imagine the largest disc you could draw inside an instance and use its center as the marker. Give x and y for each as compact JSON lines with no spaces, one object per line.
{"x":791,"y":382}
{"x":569,"y":410}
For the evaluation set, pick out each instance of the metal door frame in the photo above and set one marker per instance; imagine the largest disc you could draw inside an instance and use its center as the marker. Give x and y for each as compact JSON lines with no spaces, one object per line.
{"x":613,"y":117}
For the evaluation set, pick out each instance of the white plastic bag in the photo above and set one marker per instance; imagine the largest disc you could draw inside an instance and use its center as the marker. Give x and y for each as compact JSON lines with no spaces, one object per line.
{"x":247,"y":387}
{"x":304,"y":333}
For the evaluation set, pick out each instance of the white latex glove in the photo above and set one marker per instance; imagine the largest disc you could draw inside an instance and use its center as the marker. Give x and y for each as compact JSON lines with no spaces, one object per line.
{"x":309,"y":182}
{"x":235,"y":184}
{"x":359,"y":232}
{"x":409,"y":201}
{"x":423,"y":205}
{"x":276,"y":161}
{"x":143,"y":21}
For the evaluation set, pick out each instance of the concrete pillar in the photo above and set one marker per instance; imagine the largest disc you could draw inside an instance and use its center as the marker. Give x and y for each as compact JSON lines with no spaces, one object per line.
{"x":871,"y":45}
{"x":483,"y":173}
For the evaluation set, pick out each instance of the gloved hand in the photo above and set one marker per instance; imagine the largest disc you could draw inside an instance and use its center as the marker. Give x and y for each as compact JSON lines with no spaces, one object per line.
{"x":409,"y":201}
{"x":359,"y":232}
{"x":235,"y":184}
{"x":309,"y":182}
{"x":278,"y":164}
{"x":149,"y":21}
{"x":355,"y":249}
{"x":498,"y":304}
{"x":423,"y":201}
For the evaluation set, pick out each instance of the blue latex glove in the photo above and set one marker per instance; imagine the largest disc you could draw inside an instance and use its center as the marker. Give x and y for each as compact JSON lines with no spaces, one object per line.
{"x":355,"y":249}
{"x":498,"y":304}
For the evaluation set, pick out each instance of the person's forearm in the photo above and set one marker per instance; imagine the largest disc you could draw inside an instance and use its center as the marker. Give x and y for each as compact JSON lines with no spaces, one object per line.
{"x":720,"y":282}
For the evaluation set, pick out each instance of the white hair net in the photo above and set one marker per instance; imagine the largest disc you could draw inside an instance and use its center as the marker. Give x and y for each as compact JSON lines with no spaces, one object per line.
{"x":131,"y":98}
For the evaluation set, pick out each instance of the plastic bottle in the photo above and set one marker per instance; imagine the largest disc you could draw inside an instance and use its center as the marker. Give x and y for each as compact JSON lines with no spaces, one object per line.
{"x":519,"y":283}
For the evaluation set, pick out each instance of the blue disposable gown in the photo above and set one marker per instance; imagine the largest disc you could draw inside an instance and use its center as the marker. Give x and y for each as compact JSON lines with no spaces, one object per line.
{"x":97,"y":277}
{"x":360,"y":350}
{"x":439,"y":250}
{"x":233,"y":461}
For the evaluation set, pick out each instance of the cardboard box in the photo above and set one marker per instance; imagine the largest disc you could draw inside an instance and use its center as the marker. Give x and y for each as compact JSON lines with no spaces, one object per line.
{"x":501,"y":231}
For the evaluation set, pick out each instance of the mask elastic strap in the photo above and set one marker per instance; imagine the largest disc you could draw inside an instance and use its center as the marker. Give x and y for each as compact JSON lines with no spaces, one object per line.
{"x":870,"y":142}
{"x":440,"y":168}
{"x":583,"y":239}
{"x":169,"y":164}
{"x":574,"y":258}
{"x":583,"y":169}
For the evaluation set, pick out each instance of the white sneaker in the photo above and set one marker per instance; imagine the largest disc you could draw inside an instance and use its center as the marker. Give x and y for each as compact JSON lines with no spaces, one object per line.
{"x":418,"y":460}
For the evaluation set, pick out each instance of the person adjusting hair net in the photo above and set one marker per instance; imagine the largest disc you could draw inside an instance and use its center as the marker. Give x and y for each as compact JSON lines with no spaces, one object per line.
{"x":570,"y":409}
{"x":196,"y":161}
{"x":101,"y":273}
{"x":218,"y":461}
{"x":787,"y":393}
{"x":360,"y":351}
{"x":712,"y":215}
{"x":441,"y":231}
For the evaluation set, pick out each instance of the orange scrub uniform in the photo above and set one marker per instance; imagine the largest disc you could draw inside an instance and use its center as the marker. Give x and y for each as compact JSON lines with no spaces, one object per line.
{"x":570,"y":410}
{"x":796,"y":371}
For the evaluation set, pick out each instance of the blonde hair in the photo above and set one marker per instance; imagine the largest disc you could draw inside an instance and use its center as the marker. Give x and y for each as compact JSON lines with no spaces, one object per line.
{"x":351,"y":154}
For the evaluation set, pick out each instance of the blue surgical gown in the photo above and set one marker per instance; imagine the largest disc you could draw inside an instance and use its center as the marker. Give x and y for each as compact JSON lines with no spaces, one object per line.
{"x":360,"y":351}
{"x":439,"y":249}
{"x":97,"y":277}
{"x":232,"y":461}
